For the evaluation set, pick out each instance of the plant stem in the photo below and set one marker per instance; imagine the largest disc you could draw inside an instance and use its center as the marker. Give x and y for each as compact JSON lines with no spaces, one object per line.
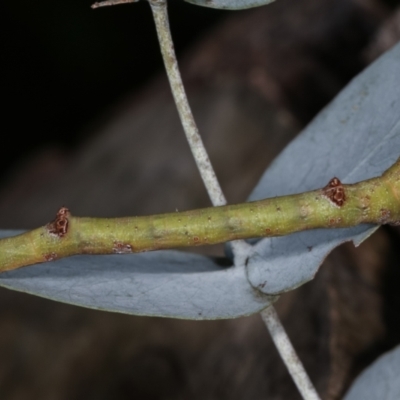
{"x":372,"y":201}
{"x":159,"y":8}
{"x":160,"y":14}
{"x":288,"y":354}
{"x":112,"y":3}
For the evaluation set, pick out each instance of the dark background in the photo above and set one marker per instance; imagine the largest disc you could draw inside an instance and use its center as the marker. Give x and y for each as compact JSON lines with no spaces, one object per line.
{"x":64,"y":64}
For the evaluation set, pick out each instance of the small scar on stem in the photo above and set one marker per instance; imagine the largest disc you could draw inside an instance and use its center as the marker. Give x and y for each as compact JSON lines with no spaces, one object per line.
{"x":121,"y":248}
{"x":50,"y":257}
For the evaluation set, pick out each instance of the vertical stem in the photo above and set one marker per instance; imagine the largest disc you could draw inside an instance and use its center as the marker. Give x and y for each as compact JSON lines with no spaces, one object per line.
{"x":240,"y":249}
{"x":159,"y":8}
{"x":288,"y":354}
{"x":160,"y":14}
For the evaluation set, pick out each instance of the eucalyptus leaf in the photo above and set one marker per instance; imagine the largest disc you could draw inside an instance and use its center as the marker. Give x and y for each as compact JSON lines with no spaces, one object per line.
{"x":230,"y":4}
{"x":354,"y":138}
{"x":163,"y":283}
{"x":380,"y":380}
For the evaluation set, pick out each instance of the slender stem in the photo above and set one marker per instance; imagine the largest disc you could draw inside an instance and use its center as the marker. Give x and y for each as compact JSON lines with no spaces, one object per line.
{"x":112,"y":3}
{"x":159,"y":8}
{"x":240,"y":248}
{"x":288,"y":354}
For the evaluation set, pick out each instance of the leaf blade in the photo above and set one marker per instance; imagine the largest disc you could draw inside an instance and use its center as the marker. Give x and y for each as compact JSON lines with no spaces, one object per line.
{"x":230,"y":4}
{"x":163,"y":283}
{"x":356,"y":137}
{"x":380,"y":380}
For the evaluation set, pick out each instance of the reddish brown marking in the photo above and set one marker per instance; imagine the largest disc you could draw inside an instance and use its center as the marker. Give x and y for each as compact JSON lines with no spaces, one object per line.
{"x":334,"y":191}
{"x":267,"y":230}
{"x":122,"y":248}
{"x":195,"y":239}
{"x":262,"y":285}
{"x":335,"y":221}
{"x":384,"y":217}
{"x":50,"y":257}
{"x":59,"y":226}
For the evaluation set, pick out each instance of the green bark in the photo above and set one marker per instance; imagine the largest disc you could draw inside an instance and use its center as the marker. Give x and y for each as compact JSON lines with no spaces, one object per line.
{"x":372,"y":201}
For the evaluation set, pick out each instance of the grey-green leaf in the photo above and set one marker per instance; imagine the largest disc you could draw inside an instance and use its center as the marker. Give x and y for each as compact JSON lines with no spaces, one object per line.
{"x":379,"y":381}
{"x":230,"y":4}
{"x":163,"y":283}
{"x":355,"y":138}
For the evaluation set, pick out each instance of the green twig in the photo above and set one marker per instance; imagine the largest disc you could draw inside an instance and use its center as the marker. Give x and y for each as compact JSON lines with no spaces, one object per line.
{"x":336,"y":206}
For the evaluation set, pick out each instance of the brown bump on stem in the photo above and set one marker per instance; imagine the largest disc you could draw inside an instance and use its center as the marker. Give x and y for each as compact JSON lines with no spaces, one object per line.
{"x":334,"y":191}
{"x":50,"y":257}
{"x":121,"y":248}
{"x":384,"y":216}
{"x":334,"y":221}
{"x":196,"y":239}
{"x":59,"y":227}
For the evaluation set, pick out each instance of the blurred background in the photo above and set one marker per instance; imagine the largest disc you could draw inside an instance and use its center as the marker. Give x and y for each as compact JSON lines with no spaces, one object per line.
{"x":66,"y":65}
{"x":88,"y":122}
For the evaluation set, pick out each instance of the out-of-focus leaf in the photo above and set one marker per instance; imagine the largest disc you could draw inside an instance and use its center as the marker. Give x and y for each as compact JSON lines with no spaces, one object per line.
{"x":355,"y":138}
{"x":230,"y":4}
{"x":379,"y":381}
{"x":162,"y":283}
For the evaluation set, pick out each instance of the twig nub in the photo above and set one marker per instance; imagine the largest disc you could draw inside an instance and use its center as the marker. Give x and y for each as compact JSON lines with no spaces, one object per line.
{"x":334,"y":191}
{"x":59,"y":226}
